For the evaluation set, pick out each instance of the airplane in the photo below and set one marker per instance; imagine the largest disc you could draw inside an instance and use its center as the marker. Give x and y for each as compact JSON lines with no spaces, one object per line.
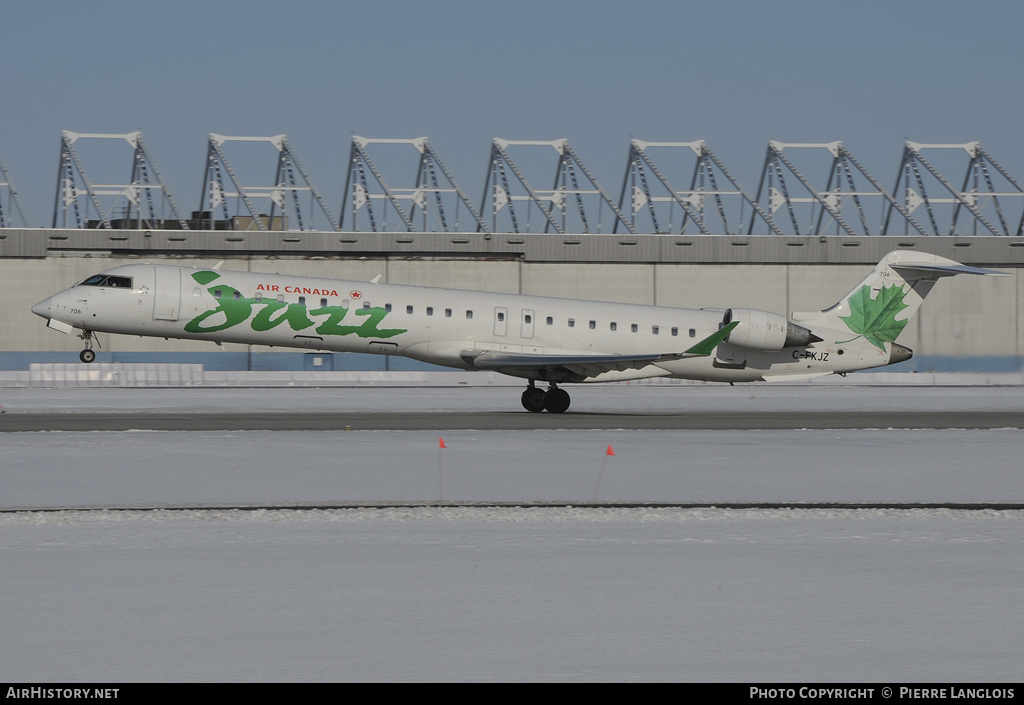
{"x":537,"y":338}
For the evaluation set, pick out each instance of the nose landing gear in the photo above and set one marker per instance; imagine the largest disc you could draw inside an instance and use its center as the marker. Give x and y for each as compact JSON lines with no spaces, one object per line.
{"x":88,"y":355}
{"x":554,"y":400}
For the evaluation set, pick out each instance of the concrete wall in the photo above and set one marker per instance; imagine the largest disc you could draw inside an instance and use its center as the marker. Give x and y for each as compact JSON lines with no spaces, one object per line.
{"x":975,"y":317}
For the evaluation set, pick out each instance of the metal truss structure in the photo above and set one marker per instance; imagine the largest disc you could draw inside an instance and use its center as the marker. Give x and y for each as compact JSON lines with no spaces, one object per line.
{"x":144,"y":201}
{"x":804,"y":189}
{"x":9,"y":197}
{"x":851,"y":201}
{"x":561,"y":209}
{"x":278,"y":206}
{"x":705,"y":207}
{"x":434,"y":202}
{"x":988,"y":202}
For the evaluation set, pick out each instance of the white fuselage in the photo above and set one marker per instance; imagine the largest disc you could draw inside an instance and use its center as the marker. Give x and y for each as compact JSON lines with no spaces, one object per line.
{"x":434,"y":325}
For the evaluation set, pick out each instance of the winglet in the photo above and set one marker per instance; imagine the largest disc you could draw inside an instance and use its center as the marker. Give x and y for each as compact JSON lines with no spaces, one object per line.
{"x":708,"y":345}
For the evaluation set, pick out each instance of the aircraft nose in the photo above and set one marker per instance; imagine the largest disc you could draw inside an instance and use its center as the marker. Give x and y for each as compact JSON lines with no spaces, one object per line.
{"x":43,"y":308}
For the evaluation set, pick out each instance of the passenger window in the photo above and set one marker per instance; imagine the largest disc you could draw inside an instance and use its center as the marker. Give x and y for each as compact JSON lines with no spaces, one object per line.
{"x":280,"y":298}
{"x":572,"y":322}
{"x":528,"y":318}
{"x":430,"y":310}
{"x":469,"y":315}
{"x":323,"y":303}
{"x":387,"y":307}
{"x":655,"y":329}
{"x":197,"y":292}
{"x":408,"y":309}
{"x":447,"y":313}
{"x":593,"y":325}
{"x":675,"y":331}
{"x":302,"y":301}
{"x":216,"y":293}
{"x":613,"y":325}
{"x":634,"y":327}
{"x":259,"y":296}
{"x":693,"y":332}
{"x":501,"y":316}
{"x":366,"y":304}
{"x":550,"y":321}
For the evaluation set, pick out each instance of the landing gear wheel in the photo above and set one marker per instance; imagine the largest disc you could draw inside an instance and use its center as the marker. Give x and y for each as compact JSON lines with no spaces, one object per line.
{"x":88,"y":337}
{"x":533,"y":399}
{"x":556,"y":401}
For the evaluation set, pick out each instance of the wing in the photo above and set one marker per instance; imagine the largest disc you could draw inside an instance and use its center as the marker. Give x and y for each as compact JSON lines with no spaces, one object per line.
{"x":576,"y":368}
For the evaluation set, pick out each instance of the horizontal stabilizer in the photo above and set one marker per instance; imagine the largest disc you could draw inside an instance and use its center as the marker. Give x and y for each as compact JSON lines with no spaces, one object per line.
{"x":945,"y":270}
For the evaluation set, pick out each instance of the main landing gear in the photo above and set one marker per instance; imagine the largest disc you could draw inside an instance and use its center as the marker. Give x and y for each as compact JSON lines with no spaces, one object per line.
{"x":554,"y":400}
{"x":88,"y":355}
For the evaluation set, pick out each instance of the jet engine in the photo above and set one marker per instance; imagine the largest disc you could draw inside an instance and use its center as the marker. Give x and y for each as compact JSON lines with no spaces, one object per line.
{"x":763,"y":330}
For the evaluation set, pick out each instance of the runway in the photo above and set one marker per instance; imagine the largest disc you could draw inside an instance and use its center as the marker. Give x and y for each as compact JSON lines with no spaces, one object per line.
{"x":177,"y":420}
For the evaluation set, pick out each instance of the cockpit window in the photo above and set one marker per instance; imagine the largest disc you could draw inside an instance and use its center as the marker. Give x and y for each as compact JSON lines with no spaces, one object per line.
{"x":108,"y":280}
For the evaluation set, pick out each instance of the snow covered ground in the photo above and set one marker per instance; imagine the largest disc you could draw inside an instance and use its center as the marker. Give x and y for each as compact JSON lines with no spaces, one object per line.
{"x":147,"y":468}
{"x":473,"y":593}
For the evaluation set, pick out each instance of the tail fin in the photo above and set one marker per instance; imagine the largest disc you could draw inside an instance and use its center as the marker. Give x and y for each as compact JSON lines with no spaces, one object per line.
{"x":881,"y":305}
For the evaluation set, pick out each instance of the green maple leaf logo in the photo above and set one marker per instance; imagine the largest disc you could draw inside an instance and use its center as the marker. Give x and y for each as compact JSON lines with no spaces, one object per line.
{"x":875,"y":319}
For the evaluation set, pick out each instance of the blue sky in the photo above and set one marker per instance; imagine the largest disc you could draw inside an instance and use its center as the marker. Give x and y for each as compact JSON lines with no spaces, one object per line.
{"x":736,"y":74}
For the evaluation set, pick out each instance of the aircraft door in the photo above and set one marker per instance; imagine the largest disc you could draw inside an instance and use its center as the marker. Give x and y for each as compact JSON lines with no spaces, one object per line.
{"x":500,"y":320}
{"x":527,"y":329}
{"x":167,"y":293}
